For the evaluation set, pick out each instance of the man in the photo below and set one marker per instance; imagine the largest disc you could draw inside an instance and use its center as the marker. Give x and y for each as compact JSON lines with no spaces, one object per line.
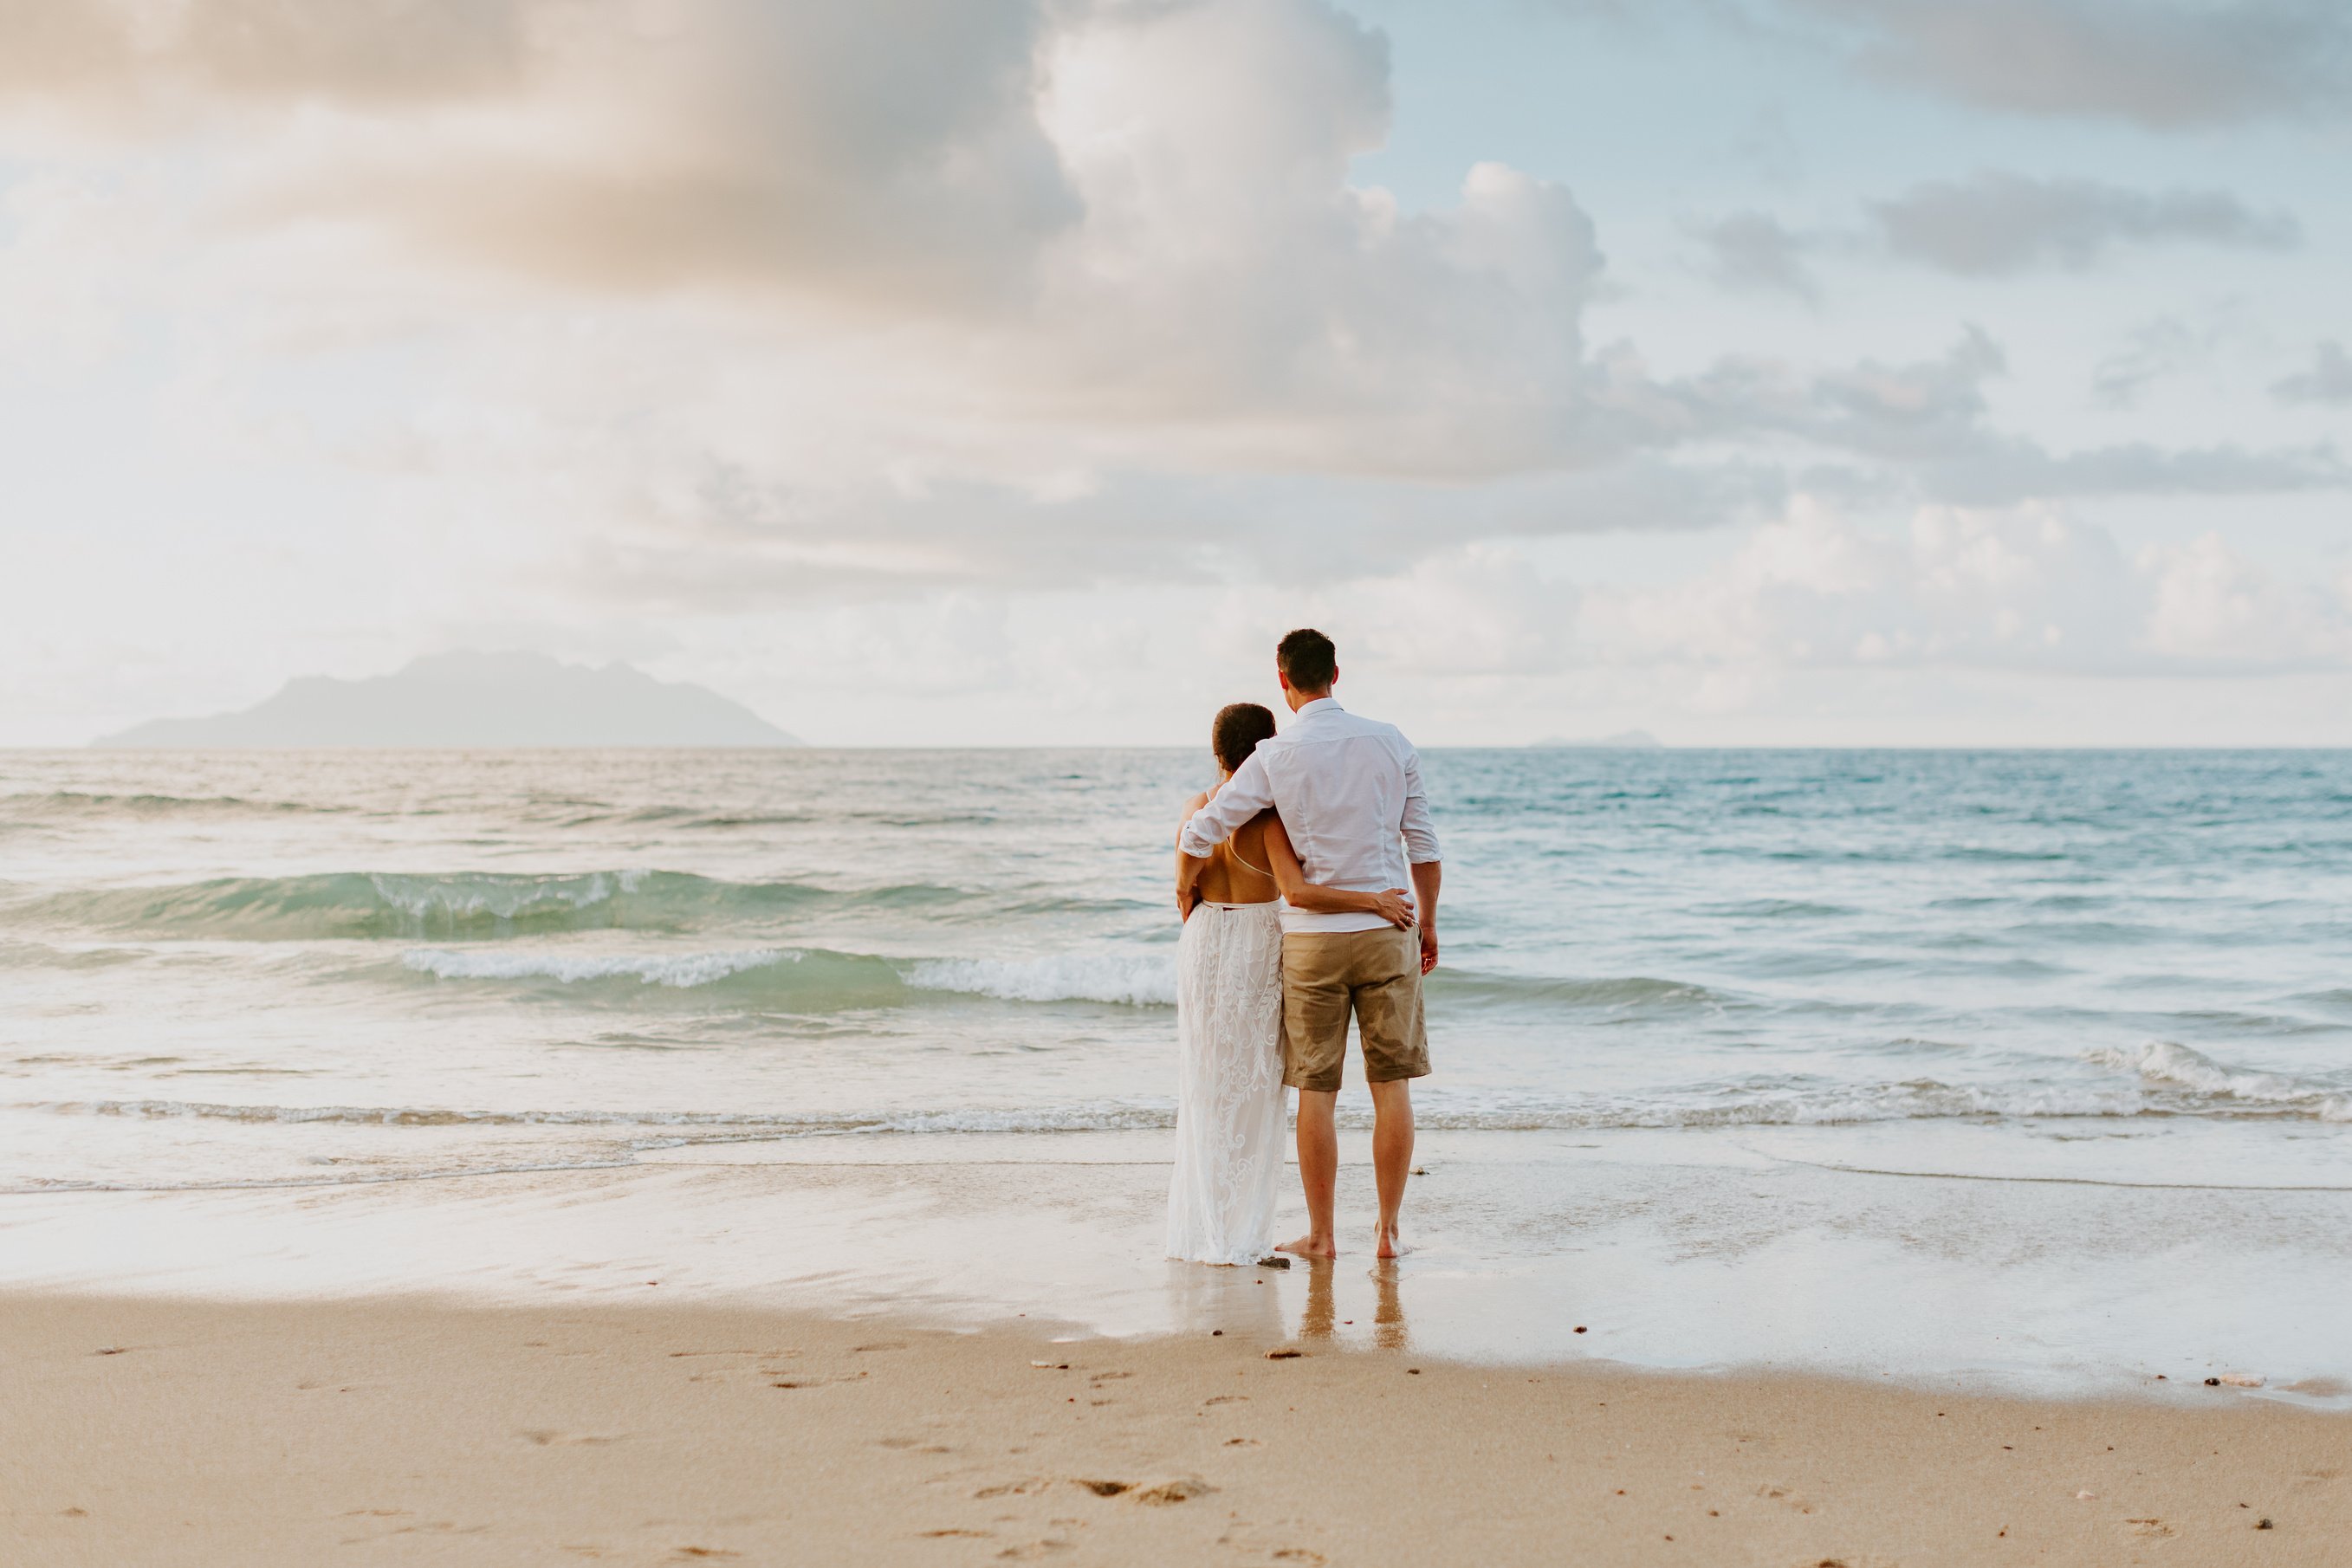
{"x":1349,"y":790}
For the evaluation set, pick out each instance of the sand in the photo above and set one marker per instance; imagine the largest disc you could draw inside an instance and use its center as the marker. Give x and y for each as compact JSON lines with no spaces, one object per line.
{"x":394,"y":1431}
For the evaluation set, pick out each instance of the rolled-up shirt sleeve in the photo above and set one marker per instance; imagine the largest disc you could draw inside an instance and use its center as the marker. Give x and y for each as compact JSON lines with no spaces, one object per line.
{"x":1420,"y":833}
{"x":1246,"y":794}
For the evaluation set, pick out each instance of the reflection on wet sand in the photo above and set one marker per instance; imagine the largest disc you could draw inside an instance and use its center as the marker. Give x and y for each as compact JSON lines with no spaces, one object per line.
{"x":1388,"y":1309}
{"x":1315,"y":1323}
{"x":1320,"y":1318}
{"x":1205,"y":1299}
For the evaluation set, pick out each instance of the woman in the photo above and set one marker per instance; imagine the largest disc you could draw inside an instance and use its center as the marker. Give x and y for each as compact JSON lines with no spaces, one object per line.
{"x":1230,"y":1103}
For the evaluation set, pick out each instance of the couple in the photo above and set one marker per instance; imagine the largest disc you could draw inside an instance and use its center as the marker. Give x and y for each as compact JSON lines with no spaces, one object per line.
{"x":1290,"y":876}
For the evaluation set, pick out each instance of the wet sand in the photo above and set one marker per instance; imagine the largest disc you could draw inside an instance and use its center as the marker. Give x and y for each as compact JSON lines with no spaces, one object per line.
{"x":394,"y":1431}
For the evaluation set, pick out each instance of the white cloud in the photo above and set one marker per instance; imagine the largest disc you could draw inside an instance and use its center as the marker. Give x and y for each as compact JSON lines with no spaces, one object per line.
{"x":2209,"y":606}
{"x":2020,"y":588}
{"x":933,"y":328}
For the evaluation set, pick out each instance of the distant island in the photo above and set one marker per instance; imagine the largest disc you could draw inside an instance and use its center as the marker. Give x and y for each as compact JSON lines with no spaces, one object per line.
{"x":1625,"y":740}
{"x":475,"y":700}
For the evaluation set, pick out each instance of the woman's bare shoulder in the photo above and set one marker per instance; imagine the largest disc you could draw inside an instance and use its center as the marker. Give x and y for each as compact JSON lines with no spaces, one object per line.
{"x":1195,"y":803}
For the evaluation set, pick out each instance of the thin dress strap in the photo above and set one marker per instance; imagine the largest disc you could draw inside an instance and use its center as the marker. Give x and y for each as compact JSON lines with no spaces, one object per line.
{"x":1234,"y":848}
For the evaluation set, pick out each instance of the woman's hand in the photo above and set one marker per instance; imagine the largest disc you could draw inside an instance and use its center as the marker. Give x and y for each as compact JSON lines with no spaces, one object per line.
{"x":1187,"y":901}
{"x":1394,"y":905}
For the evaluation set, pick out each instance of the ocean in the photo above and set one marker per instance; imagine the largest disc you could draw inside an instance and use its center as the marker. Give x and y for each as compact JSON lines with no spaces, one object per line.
{"x":229,"y":967}
{"x":259,"y":972}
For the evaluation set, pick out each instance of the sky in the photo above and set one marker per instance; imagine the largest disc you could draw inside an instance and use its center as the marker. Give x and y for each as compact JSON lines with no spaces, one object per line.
{"x":1017,"y":371}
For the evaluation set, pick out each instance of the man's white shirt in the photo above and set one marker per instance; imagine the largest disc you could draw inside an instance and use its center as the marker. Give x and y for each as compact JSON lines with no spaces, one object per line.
{"x":1348,"y":790}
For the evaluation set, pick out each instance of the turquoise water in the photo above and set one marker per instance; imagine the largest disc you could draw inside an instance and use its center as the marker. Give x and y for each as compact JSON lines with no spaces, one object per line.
{"x":285,"y":968}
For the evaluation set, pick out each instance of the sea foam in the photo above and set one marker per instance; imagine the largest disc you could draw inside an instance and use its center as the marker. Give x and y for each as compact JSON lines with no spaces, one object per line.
{"x":681,"y":970}
{"x":1134,"y":980}
{"x":2163,"y":1062}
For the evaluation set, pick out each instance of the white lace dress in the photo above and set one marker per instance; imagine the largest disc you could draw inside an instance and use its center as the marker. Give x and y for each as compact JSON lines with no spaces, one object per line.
{"x":1231,"y":1107}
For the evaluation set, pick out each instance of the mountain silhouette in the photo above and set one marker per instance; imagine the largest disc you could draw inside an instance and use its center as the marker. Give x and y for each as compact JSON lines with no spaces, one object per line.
{"x":484,"y":699}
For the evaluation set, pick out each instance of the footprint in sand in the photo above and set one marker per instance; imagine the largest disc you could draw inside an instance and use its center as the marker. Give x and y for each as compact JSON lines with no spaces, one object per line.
{"x":1017,"y":1488}
{"x":1047,"y":1547}
{"x":877,"y":1345}
{"x":2151,"y":1528}
{"x":953,"y":1535}
{"x":566,"y":1439}
{"x":1300,"y":1554}
{"x":1184,"y":1489}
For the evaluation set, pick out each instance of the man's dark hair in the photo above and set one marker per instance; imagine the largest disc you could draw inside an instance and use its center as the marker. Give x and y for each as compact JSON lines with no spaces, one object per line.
{"x":1307,"y":660}
{"x":1235,"y":732}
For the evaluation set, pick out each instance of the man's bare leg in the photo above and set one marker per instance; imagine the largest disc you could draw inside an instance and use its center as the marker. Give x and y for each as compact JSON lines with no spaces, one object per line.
{"x":1392,"y":1155}
{"x":1318,"y":1172}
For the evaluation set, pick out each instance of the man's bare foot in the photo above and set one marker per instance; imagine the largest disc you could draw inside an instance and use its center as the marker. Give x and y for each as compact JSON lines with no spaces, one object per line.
{"x":1390,"y":1245}
{"x":1310,"y":1246}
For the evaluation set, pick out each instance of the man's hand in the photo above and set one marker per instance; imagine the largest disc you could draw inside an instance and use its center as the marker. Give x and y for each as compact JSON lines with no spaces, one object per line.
{"x":1394,"y":905}
{"x":1428,"y":877}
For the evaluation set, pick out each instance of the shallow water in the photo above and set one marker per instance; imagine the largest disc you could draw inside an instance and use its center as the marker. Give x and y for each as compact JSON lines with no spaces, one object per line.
{"x":237,"y":966}
{"x":263,"y":970}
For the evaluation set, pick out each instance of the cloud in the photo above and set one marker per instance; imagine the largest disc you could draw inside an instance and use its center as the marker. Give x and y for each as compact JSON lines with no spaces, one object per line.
{"x":2163,"y":64}
{"x":1751,"y":251}
{"x":694,"y":142}
{"x":1894,"y":411}
{"x":2209,"y":606}
{"x":723,"y":143}
{"x":1926,"y":423}
{"x":1996,"y":224}
{"x":2021,"y":588}
{"x":2158,"y":349}
{"x":122,"y":60}
{"x":2328,"y":379}
{"x":1113,"y":216}
{"x":2001,"y":469}
{"x":740,"y":307}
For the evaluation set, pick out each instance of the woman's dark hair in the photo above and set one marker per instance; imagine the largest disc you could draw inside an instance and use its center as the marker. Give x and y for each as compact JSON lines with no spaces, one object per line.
{"x":1235,"y":732}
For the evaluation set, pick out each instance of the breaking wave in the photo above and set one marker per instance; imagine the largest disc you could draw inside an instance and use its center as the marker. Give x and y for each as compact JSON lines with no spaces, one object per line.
{"x":1754,"y":1104}
{"x":1134,"y":980}
{"x":74,"y":804}
{"x":473,"y":903}
{"x":2175,"y":1068}
{"x":810,"y":979}
{"x":817,"y":975}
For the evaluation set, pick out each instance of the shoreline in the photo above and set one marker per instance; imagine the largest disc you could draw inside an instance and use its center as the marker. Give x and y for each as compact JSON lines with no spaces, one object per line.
{"x":434,"y":1431}
{"x":1679,"y":1250}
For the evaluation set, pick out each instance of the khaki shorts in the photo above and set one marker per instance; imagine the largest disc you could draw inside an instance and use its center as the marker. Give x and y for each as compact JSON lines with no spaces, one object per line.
{"x":1325,"y":974}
